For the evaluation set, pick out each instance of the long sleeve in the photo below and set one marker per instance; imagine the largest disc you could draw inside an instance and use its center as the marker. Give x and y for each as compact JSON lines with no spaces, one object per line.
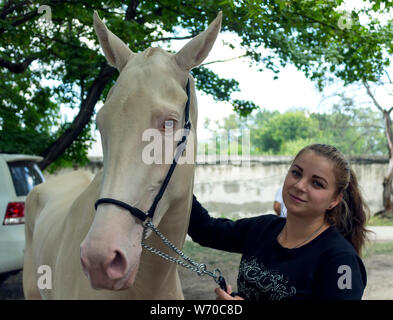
{"x":343,"y":277}
{"x":217,"y":233}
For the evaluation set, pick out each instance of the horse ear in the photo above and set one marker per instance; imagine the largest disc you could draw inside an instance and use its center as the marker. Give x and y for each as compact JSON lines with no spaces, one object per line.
{"x":197,"y":49}
{"x":116,"y":51}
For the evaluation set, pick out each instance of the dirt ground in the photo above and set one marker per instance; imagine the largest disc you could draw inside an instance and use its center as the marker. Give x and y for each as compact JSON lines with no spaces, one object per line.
{"x":379,"y":278}
{"x":379,"y":272}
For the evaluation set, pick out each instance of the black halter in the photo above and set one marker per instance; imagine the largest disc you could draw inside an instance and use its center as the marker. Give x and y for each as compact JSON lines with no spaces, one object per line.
{"x":179,"y":151}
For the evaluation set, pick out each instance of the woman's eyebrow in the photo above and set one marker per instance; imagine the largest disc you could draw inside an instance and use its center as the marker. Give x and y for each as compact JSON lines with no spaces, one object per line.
{"x":314,"y":175}
{"x":300,"y":168}
{"x":318,"y":177}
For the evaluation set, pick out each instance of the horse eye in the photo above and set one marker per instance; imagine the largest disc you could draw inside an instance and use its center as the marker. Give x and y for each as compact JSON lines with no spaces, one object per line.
{"x":168,"y":125}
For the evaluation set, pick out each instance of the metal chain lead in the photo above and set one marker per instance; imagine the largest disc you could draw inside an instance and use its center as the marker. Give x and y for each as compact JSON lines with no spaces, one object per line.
{"x":200,"y":269}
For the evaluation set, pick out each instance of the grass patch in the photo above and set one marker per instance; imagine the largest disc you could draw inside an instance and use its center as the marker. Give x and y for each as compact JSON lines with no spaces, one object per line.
{"x":382,"y":247}
{"x":203,"y":254}
{"x":380,"y":221}
{"x":217,"y":257}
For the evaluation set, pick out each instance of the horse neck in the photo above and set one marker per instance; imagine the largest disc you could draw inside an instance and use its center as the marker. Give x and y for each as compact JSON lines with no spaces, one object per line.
{"x":174,"y":223}
{"x":157,"y":278}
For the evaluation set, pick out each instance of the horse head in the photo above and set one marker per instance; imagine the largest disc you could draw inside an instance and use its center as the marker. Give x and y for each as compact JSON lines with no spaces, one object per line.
{"x":148,"y":96}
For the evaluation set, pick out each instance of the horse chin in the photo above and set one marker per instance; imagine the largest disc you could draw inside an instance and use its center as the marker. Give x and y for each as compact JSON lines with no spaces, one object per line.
{"x":131,"y":279}
{"x":128,"y":280}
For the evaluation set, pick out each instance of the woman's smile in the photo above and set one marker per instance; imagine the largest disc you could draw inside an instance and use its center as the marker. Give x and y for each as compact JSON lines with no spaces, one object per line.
{"x":296,"y":199}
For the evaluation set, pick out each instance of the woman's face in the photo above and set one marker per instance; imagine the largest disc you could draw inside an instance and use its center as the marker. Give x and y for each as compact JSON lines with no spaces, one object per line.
{"x":310,"y":186}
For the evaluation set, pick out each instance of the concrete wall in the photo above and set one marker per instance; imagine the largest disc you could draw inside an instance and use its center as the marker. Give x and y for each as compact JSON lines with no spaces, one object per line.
{"x":240,"y":187}
{"x":242,"y":190}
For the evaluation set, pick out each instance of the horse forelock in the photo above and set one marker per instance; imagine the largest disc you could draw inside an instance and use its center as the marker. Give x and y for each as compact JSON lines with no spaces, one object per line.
{"x":155,"y":61}
{"x":153,"y":50}
{"x":154,"y":75}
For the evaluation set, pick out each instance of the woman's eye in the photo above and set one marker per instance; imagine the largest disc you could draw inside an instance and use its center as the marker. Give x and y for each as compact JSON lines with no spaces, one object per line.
{"x":318,"y":184}
{"x":295,"y":173}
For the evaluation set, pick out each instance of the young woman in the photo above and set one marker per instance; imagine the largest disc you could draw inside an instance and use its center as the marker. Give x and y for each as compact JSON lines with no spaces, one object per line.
{"x":314,"y":252}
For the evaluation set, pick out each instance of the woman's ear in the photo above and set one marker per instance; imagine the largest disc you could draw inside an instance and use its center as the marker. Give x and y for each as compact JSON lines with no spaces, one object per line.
{"x":336,"y":201}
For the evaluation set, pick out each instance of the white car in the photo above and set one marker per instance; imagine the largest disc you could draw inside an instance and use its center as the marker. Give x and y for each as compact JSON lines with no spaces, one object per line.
{"x":18,"y":175}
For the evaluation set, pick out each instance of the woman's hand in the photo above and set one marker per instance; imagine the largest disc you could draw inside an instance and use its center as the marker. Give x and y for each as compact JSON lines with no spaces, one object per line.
{"x":222,"y":295}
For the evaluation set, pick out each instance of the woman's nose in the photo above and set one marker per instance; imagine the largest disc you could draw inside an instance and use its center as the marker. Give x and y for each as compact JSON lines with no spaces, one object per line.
{"x":301,"y":185}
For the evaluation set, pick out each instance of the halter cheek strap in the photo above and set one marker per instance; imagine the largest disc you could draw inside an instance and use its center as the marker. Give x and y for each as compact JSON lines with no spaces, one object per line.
{"x":179,"y":151}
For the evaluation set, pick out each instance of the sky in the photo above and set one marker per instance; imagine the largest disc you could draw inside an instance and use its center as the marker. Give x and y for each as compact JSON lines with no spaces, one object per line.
{"x":291,"y":90}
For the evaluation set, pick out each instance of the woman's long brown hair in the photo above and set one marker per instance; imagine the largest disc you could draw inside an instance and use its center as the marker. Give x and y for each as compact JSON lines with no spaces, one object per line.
{"x":350,"y":215}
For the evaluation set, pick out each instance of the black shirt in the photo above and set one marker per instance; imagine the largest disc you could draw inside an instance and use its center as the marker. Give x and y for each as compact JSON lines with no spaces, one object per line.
{"x":325,"y":268}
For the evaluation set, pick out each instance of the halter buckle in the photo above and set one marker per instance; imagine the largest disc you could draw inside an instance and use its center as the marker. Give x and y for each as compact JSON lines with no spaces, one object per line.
{"x":187,"y":125}
{"x":147,"y":224}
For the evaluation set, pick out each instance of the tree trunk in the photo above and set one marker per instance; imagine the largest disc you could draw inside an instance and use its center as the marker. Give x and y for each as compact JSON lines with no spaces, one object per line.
{"x":81,"y":120}
{"x":387,"y":181}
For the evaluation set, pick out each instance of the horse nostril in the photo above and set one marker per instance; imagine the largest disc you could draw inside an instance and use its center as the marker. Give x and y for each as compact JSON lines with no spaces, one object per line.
{"x":117,"y":268}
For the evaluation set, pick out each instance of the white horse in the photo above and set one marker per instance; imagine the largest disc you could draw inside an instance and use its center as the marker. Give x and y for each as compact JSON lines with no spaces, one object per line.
{"x":87,"y":249}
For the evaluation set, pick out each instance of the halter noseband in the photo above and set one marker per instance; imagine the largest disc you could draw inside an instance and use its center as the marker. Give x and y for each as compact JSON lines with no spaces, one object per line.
{"x":179,"y":151}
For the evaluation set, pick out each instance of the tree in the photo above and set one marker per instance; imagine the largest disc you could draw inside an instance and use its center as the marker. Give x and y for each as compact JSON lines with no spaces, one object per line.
{"x":359,"y":52}
{"x":388,"y":178}
{"x":302,"y":32}
{"x":353,"y":129}
{"x":66,"y":51}
{"x":258,"y":122}
{"x":33,"y":52}
{"x":281,"y":128}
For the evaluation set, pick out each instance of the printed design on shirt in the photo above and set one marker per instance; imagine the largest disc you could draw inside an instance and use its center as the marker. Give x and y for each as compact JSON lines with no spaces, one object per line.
{"x":256,"y":282}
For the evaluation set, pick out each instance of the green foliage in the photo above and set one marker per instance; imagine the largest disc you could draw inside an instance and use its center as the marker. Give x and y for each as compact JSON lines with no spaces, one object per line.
{"x":27,"y":113}
{"x":290,"y":126}
{"x":353,"y":130}
{"x":373,"y":248}
{"x":210,"y":83}
{"x":66,"y":59}
{"x":76,"y":154}
{"x":308,"y":34}
{"x":292,"y":147}
{"x":380,"y":221}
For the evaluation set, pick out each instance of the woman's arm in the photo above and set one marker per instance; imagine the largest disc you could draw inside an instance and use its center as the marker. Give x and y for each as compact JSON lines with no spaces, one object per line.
{"x":217,"y":233}
{"x":343,"y":277}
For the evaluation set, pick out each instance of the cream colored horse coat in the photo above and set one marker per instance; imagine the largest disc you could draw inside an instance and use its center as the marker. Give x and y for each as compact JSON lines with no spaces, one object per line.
{"x":97,"y":254}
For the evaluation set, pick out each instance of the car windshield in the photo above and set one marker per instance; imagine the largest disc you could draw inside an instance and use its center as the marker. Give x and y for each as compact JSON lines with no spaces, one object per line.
{"x":25,"y":175}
